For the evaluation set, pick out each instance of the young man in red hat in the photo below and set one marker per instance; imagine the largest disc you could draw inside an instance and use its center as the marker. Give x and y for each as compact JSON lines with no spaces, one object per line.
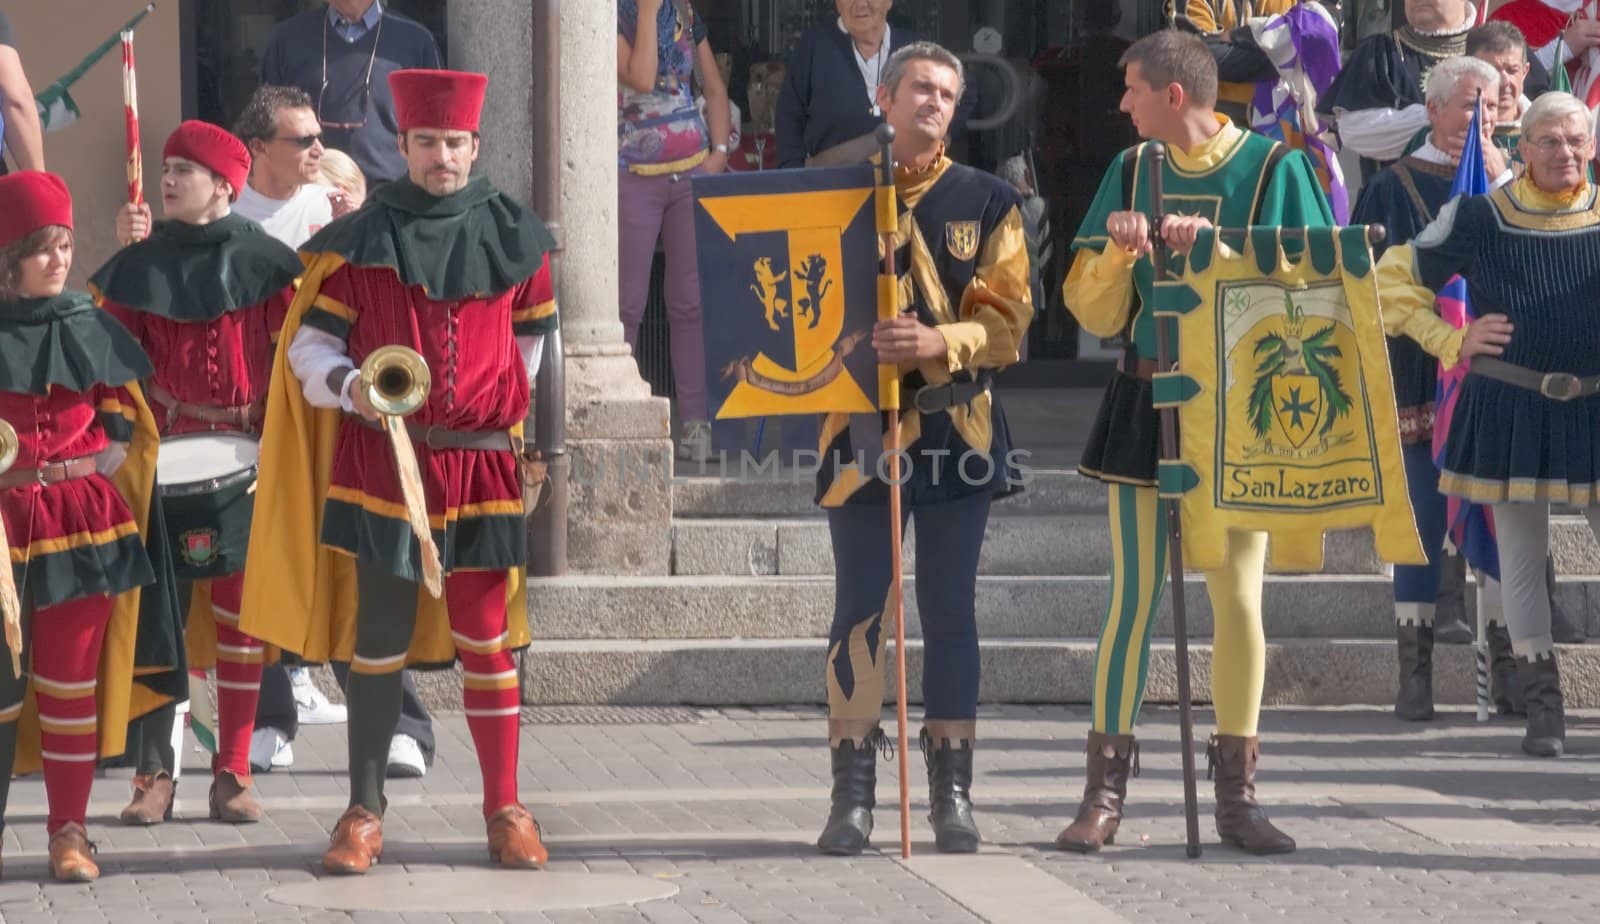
{"x":205,"y":294}
{"x":75,"y":505}
{"x":445,"y":264}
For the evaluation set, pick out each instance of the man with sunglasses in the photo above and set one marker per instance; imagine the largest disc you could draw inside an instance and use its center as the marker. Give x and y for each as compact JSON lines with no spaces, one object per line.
{"x":342,"y":58}
{"x":284,"y":195}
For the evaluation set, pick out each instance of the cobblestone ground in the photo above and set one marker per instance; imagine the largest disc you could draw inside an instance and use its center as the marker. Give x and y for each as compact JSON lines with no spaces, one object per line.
{"x":718,"y":808}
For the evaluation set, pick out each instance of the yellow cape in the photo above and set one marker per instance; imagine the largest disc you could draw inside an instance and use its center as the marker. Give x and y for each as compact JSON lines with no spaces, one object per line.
{"x":119,"y":696}
{"x":298,"y":594}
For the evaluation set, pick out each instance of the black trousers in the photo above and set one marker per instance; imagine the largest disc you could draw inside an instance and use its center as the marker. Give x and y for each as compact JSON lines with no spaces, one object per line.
{"x":276,"y":707}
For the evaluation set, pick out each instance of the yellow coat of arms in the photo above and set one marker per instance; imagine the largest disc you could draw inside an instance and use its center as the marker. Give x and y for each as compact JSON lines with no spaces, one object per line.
{"x":1286,"y":403}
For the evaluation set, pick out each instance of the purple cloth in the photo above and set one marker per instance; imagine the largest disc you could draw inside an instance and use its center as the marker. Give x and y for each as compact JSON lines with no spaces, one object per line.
{"x":652,"y":208}
{"x":1276,"y":114}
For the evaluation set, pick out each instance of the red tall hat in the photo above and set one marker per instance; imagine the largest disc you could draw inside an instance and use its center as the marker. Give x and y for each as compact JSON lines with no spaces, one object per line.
{"x":213,"y":148}
{"x":30,"y":200}
{"x":447,"y":100}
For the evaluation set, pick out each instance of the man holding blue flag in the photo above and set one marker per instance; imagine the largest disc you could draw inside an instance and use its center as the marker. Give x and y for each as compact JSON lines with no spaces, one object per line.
{"x":1526,"y":428}
{"x":1404,"y":198}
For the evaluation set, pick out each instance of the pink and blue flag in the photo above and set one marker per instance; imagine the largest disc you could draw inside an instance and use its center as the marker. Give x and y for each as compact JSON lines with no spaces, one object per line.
{"x":1471,"y":526}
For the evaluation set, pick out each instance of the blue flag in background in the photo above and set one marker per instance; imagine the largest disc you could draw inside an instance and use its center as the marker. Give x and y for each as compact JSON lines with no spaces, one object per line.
{"x":1471,"y":526}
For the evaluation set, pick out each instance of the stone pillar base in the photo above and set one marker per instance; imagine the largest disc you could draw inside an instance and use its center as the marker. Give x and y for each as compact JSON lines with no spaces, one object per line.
{"x":619,"y":500}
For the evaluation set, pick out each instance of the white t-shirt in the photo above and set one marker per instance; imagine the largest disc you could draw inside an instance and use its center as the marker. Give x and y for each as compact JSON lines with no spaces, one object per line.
{"x":292,"y":220}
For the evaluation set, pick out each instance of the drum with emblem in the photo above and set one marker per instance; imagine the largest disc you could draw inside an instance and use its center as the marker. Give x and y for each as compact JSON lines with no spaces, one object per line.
{"x":208,"y":483}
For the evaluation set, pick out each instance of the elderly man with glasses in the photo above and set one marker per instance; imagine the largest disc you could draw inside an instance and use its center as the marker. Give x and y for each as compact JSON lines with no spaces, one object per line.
{"x":1526,"y":433}
{"x":342,"y":58}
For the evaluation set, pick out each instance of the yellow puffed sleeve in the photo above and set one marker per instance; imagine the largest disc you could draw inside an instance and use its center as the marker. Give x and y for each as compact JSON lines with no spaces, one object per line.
{"x":1406,"y":306}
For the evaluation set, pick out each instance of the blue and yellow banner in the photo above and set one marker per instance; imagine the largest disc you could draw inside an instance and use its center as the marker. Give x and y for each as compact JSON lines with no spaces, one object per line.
{"x":1286,"y":402}
{"x":788,"y":265}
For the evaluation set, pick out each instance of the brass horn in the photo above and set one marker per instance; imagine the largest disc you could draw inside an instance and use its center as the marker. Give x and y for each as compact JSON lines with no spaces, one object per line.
{"x":9,"y":446}
{"x":396,"y":380}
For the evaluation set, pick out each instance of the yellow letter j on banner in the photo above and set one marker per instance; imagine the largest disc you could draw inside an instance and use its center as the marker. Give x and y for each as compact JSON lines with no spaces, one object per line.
{"x":788,"y":266}
{"x":1287,"y":405}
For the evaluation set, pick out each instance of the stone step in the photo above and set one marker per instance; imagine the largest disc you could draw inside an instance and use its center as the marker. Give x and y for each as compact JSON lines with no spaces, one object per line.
{"x":1057,"y":544}
{"x":789,"y":671}
{"x":782,"y":494}
{"x":1296,"y":606}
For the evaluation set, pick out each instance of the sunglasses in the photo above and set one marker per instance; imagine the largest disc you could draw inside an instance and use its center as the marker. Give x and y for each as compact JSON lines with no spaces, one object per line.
{"x":304,"y":142}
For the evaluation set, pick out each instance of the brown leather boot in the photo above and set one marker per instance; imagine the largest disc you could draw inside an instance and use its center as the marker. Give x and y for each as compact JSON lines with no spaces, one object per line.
{"x":152,"y":799}
{"x":1104,"y":788}
{"x":514,"y":839}
{"x":357,"y":842}
{"x":233,"y":799}
{"x":72,"y":855}
{"x":1231,"y":761}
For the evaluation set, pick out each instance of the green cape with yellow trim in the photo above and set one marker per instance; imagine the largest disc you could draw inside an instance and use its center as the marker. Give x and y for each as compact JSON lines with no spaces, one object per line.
{"x":127,"y":689}
{"x":299,"y":594}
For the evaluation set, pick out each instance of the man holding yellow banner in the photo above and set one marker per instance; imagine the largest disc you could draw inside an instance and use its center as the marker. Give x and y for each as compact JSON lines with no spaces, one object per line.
{"x":1215,"y":174}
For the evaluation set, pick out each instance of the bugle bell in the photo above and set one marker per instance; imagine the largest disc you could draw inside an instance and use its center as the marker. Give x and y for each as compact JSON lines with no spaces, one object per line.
{"x":396,"y":380}
{"x":9,"y":446}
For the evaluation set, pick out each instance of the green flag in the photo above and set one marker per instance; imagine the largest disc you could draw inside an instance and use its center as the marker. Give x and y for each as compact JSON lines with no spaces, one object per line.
{"x":57,"y":108}
{"x":1558,"y":79}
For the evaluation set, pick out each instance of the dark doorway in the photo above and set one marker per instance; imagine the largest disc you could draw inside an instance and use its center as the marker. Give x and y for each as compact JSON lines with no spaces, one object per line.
{"x":227,"y":38}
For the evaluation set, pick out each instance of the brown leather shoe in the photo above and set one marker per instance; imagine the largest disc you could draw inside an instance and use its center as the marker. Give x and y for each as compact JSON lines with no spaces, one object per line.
{"x":514,"y":839}
{"x":1240,"y":821}
{"x":72,"y":855}
{"x":152,"y":799}
{"x":1104,"y":789}
{"x":357,"y":842}
{"x":233,"y":800}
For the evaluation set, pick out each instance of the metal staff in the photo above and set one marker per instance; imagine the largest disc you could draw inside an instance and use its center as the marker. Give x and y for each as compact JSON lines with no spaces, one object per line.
{"x":1170,"y":453}
{"x":130,"y":113}
{"x":888,"y":220}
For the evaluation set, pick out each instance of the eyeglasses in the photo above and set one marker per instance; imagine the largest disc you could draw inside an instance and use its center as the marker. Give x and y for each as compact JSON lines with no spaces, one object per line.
{"x":1551,"y":143}
{"x":366,"y":83}
{"x":304,"y":141}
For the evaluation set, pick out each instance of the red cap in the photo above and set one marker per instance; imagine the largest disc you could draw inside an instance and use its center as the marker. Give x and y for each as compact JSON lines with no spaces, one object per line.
{"x":33,"y":200}
{"x":213,"y":148}
{"x":446,"y":100}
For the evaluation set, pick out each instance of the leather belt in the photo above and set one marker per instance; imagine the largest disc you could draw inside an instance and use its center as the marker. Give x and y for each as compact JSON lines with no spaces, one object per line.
{"x":930,"y":399}
{"x":442,"y":438}
{"x":49,"y":473}
{"x":242,"y":416}
{"x":1557,"y":386}
{"x":1130,"y":363}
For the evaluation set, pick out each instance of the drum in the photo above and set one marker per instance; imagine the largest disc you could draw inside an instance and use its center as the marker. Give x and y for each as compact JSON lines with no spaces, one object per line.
{"x":207,"y":483}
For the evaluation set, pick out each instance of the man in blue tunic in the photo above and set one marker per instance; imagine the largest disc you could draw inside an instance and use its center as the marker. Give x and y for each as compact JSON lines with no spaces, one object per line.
{"x":1526,"y":432}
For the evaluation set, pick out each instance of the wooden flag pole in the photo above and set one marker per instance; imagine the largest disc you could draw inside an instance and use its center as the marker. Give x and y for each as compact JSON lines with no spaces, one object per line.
{"x":130,"y":111}
{"x":1169,"y":452}
{"x":889,"y":400}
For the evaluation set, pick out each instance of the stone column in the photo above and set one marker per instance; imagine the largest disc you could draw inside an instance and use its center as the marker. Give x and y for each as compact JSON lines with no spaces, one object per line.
{"x":618,"y":434}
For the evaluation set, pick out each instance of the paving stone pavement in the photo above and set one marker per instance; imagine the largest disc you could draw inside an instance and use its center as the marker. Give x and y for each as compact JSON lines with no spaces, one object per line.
{"x":1396,"y":822}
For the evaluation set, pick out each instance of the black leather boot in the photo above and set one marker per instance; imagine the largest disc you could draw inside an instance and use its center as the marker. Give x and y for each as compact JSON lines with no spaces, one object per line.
{"x":1505,"y":688}
{"x":949,"y":758}
{"x":1547,"y":723}
{"x":1414,"y":701}
{"x":1450,"y":603}
{"x":855,"y":782}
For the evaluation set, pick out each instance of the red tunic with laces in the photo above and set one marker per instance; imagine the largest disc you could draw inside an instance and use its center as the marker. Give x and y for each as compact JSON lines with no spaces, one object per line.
{"x":479,"y":382}
{"x":221,"y":363}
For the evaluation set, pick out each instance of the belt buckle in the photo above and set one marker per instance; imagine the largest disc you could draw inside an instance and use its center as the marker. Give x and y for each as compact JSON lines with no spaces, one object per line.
{"x":1560,"y":386}
{"x":930,"y":407}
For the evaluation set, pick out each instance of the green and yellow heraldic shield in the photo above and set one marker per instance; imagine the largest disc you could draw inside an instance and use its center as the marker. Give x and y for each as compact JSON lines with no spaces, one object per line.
{"x":1286,"y":405}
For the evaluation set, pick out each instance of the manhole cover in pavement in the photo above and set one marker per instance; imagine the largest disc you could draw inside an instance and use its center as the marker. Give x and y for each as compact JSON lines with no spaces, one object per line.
{"x":609,"y":715}
{"x":468,"y":890}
